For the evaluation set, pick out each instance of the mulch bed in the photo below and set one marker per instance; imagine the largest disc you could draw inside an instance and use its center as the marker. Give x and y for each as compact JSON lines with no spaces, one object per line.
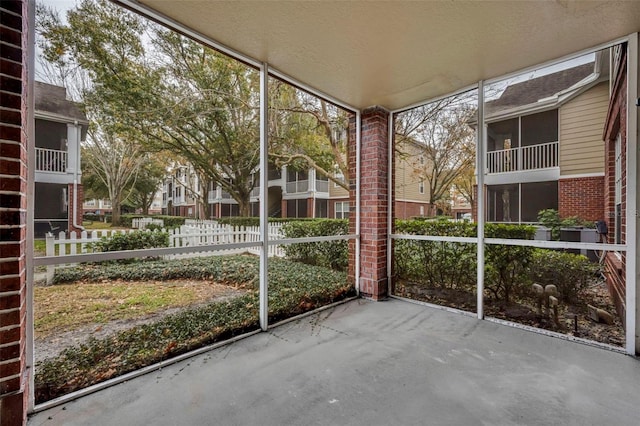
{"x":573,"y":318}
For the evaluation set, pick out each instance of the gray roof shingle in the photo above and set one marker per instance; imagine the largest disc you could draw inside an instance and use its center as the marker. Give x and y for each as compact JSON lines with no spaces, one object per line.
{"x":53,"y":99}
{"x":531,"y":91}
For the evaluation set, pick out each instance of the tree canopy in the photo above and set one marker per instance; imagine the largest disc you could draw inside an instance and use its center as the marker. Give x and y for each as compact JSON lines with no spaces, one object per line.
{"x":440,"y":133}
{"x":161,"y":91}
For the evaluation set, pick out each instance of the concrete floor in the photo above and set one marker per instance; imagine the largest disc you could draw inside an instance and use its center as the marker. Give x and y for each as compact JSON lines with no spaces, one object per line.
{"x":385,"y":363}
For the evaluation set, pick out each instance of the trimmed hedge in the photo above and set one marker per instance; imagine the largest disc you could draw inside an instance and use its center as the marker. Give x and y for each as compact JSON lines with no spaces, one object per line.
{"x":436,"y":263}
{"x":135,"y":240}
{"x":507,"y":267}
{"x":255,"y":221}
{"x":332,"y":254}
{"x":294,"y":288}
{"x":569,"y":272}
{"x":223,"y":269}
{"x":453,"y":265}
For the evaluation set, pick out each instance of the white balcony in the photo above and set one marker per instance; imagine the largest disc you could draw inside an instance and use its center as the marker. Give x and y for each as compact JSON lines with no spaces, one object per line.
{"x":51,"y":160}
{"x":322,"y":185}
{"x":297,"y":186}
{"x":526,"y":158}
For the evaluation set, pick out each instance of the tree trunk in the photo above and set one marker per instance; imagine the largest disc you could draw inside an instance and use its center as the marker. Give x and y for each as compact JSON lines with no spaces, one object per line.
{"x":244,"y":207}
{"x":146,"y":202}
{"x":115,"y":212}
{"x":208,"y":211}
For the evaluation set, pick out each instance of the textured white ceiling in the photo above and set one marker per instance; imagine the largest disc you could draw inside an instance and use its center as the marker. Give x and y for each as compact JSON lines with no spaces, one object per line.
{"x":396,"y":53}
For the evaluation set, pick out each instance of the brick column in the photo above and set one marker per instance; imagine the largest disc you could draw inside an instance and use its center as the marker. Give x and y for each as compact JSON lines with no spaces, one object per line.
{"x":374,"y":201}
{"x":71,"y":202}
{"x":13,"y":206}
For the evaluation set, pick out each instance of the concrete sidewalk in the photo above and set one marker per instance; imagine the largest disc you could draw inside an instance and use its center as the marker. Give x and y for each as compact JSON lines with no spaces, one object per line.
{"x":384,"y":363}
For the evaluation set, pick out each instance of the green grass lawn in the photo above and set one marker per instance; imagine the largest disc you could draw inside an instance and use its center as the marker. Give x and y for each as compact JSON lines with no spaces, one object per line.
{"x":94,"y":294}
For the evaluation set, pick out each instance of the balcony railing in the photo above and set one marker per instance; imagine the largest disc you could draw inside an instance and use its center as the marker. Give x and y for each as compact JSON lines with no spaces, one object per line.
{"x":322,"y":186}
{"x":532,"y":157}
{"x":297,"y":186}
{"x":51,"y":160}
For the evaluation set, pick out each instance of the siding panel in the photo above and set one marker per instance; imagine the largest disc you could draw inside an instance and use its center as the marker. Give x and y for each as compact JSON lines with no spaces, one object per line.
{"x":581,"y":125}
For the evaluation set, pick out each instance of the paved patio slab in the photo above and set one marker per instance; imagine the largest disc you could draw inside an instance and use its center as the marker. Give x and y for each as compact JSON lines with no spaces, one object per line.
{"x":384,"y":363}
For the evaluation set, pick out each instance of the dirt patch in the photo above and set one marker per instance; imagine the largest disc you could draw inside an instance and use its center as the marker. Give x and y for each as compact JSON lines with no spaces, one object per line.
{"x":573,"y":318}
{"x":53,"y":340}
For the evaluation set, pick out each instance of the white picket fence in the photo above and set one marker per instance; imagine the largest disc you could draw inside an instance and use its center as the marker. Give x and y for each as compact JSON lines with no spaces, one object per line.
{"x":213,"y":233}
{"x":188,"y":235}
{"x":142,"y":222}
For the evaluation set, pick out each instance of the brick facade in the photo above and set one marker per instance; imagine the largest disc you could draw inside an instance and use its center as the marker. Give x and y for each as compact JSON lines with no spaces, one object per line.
{"x":72,"y":201}
{"x":409,"y":209}
{"x":582,"y":197}
{"x":374,"y":193}
{"x":13,"y":216}
{"x":615,"y":125}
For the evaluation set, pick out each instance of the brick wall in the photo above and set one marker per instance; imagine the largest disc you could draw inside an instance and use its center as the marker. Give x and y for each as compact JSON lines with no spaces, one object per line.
{"x":582,"y":197}
{"x":616,"y":124}
{"x":409,"y":209}
{"x":373,"y":201}
{"x":13,"y":203}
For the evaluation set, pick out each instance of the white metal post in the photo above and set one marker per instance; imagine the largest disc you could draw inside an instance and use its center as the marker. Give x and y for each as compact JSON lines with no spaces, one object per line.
{"x":632,"y":240}
{"x":31,"y":166}
{"x":390,"y":183}
{"x":264,"y":190}
{"x":519,"y":202}
{"x":519,"y":147}
{"x":480,"y":201}
{"x":357,"y":253}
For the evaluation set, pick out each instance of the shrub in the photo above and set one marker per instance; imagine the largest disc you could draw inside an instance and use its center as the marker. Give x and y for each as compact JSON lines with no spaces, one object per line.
{"x":153,"y":227}
{"x":506,"y":272}
{"x":126,"y":220}
{"x":569,"y":272}
{"x":332,"y":254}
{"x":92,"y":217}
{"x":135,"y":240}
{"x":239,"y":221}
{"x":436,"y":263}
{"x":224,"y":269}
{"x":453,"y":265}
{"x":551,"y":219}
{"x":255,"y":221}
{"x":293,"y":288}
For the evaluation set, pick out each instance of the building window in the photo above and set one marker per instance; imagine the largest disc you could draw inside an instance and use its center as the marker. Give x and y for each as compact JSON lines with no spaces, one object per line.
{"x":321,"y":208}
{"x":295,"y":175}
{"x":618,"y":190}
{"x":229,"y":210}
{"x":421,"y":187}
{"x":342,"y":210}
{"x":297,"y":208}
{"x":522,"y":202}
